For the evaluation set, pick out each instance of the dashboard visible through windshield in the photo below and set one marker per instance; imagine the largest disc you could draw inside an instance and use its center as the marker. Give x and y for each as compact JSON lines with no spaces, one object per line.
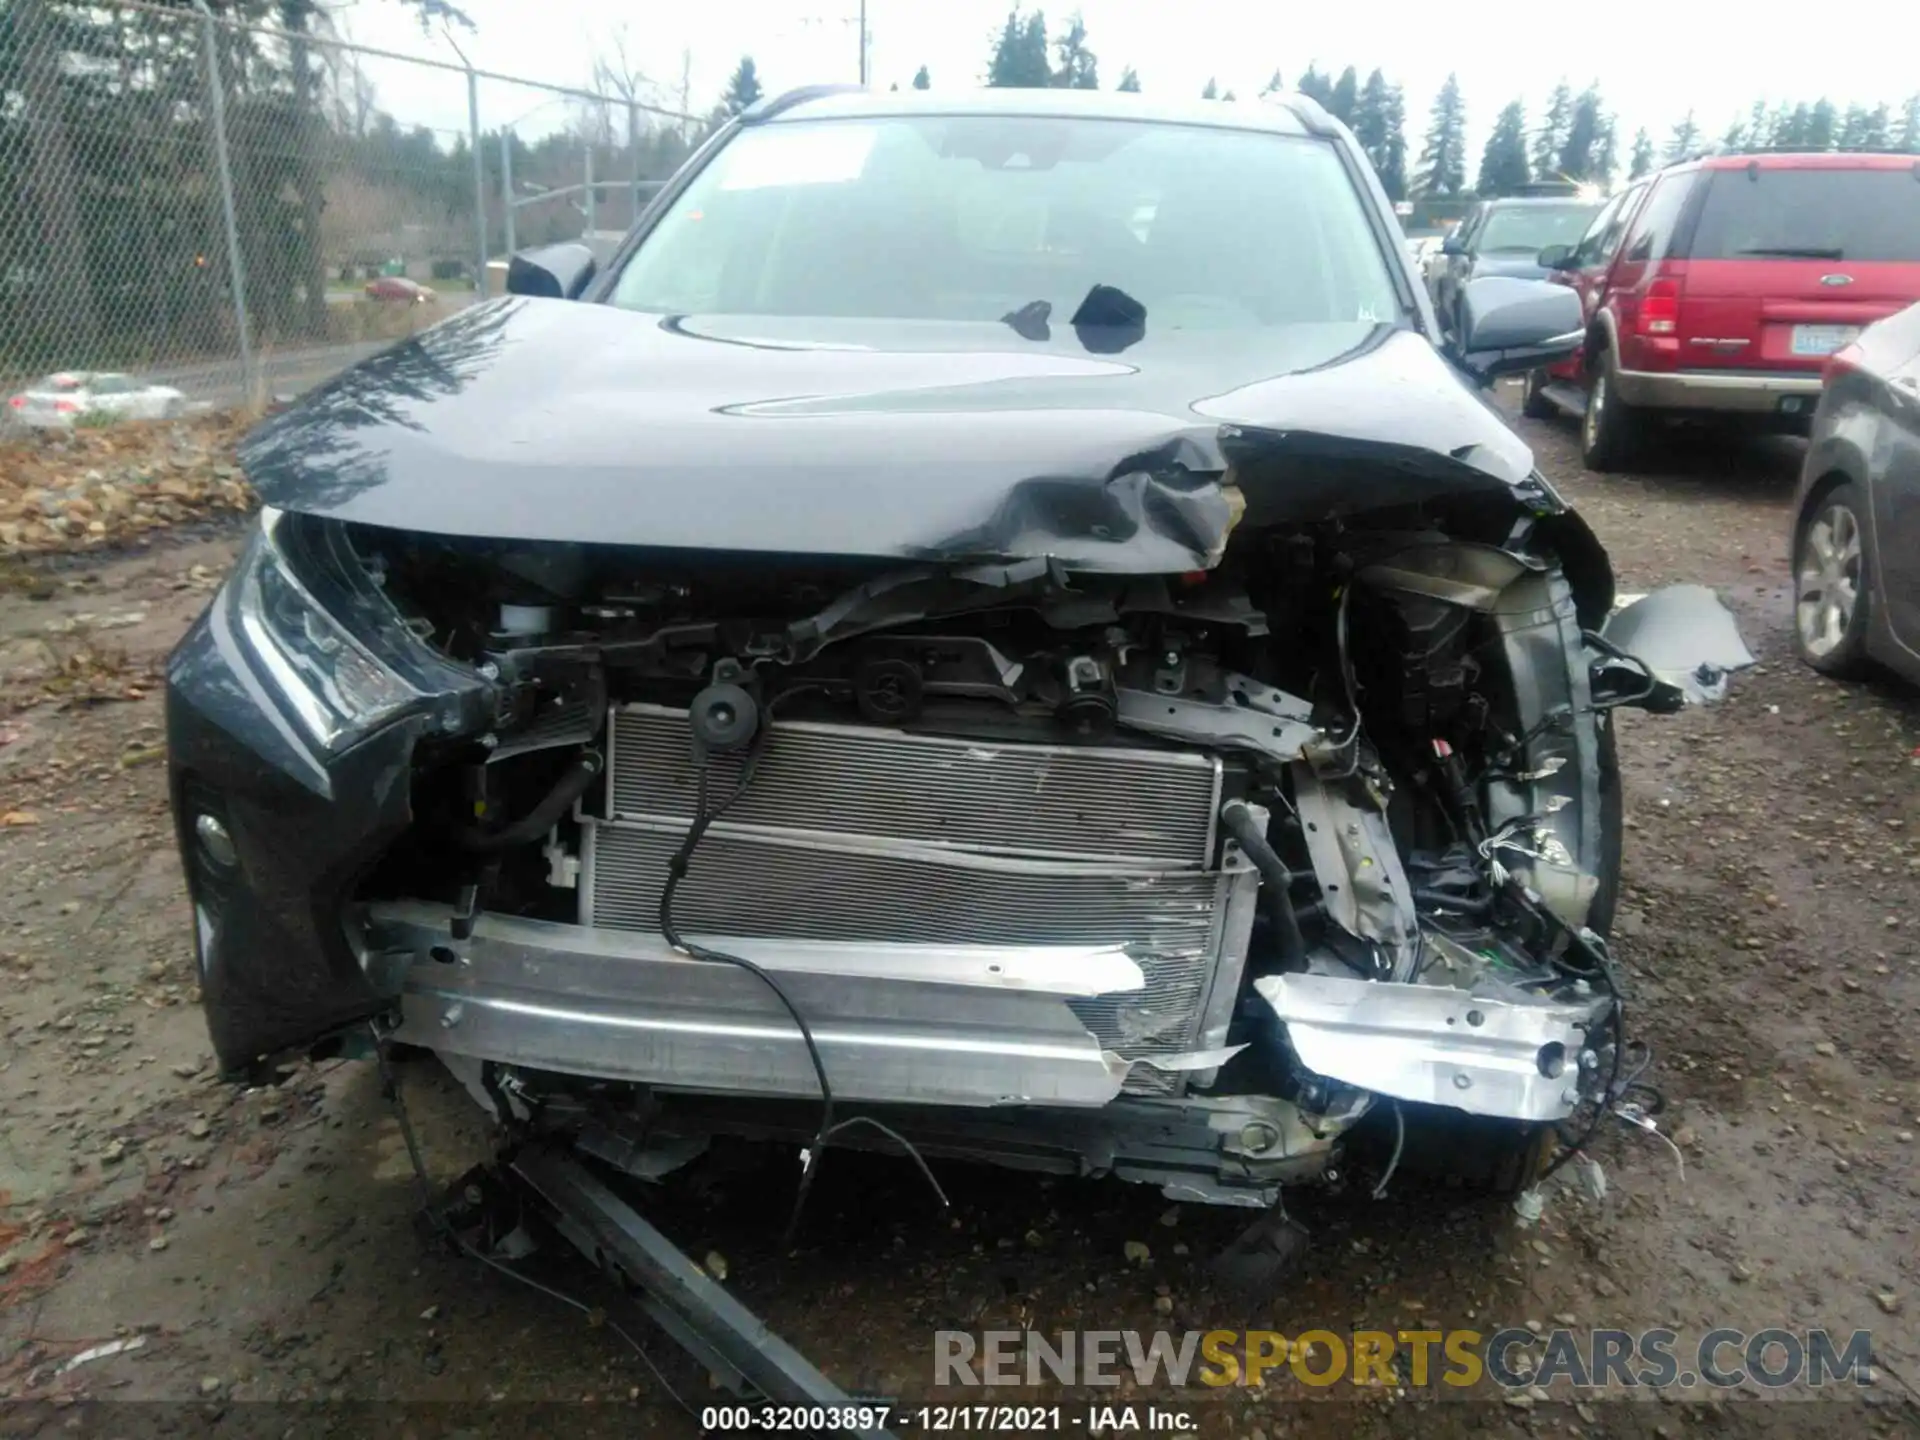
{"x":981,"y":218}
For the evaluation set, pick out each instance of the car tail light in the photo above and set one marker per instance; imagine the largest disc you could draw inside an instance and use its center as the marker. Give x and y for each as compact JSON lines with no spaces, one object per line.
{"x":1660,"y":308}
{"x":66,"y":407}
{"x":18,"y":402}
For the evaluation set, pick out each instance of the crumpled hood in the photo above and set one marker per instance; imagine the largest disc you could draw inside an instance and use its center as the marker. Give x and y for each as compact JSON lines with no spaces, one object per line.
{"x":552,"y":420}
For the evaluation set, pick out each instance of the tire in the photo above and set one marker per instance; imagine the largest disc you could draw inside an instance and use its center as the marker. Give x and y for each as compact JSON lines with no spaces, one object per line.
{"x":1611,"y":432}
{"x":1535,"y":405}
{"x":1832,"y":583}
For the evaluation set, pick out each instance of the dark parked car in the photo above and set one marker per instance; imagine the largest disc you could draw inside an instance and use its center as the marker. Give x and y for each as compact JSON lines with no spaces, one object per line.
{"x":1856,"y":529}
{"x":1718,"y":288}
{"x":1504,"y":237}
{"x":995,"y":611}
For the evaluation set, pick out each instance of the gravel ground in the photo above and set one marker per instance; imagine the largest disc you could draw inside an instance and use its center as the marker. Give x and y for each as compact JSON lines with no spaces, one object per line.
{"x":258,"y":1251}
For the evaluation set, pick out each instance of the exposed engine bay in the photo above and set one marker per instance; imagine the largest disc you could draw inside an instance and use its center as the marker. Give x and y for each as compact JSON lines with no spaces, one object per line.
{"x":1173,"y":877}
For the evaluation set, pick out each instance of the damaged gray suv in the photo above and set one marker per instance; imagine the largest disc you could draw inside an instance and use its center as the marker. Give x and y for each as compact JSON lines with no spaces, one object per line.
{"x":991,"y":614}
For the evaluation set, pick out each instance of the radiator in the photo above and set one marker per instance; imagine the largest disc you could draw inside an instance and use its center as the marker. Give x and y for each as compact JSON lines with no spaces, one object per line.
{"x":865,"y":834}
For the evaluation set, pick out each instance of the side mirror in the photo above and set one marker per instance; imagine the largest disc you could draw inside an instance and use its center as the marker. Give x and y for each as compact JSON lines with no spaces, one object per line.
{"x":1508,"y":326}
{"x":1556,"y":257}
{"x":553,"y":272}
{"x":1452,"y":244}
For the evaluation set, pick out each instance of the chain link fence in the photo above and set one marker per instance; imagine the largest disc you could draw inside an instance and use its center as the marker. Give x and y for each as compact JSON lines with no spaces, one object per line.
{"x":234,"y":212}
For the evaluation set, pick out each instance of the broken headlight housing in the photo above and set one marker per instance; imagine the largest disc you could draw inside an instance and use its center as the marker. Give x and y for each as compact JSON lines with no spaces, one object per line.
{"x":323,"y":637}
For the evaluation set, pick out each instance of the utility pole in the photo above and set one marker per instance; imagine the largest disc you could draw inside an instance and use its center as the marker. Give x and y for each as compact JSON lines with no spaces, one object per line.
{"x":863,"y":42}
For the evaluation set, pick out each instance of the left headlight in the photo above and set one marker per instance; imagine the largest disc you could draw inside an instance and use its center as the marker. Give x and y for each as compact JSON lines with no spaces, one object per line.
{"x":332,"y":681}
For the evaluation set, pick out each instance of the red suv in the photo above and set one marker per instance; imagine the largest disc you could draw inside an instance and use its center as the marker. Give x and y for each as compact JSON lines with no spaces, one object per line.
{"x":1719,"y":287}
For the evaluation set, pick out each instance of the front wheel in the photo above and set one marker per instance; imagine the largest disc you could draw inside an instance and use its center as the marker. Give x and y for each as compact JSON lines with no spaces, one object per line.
{"x":1612,"y":430}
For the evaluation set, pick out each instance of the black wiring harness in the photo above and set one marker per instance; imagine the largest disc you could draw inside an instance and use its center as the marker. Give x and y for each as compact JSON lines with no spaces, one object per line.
{"x":704,"y":817}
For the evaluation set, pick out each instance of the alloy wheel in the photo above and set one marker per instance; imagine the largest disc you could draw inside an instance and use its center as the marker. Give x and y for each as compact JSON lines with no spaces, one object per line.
{"x":1827,"y":580}
{"x":1596,"y":402}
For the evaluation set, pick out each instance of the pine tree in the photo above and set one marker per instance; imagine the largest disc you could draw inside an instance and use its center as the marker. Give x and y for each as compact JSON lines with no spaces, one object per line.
{"x":1780,"y":126}
{"x":1316,"y":87}
{"x":1551,"y":138}
{"x":1865,"y":129}
{"x":1273,"y":85}
{"x":1759,"y":130}
{"x":1878,"y":134}
{"x":1792,"y":132}
{"x":1035,"y":72}
{"x":1503,"y":164}
{"x":1606,"y":154}
{"x":1579,"y":150}
{"x":1346,"y":95}
{"x":1020,"y":59}
{"x":1641,"y":165}
{"x":1393,"y":166}
{"x":1130,"y":81}
{"x":1685,"y":139}
{"x":922,"y":80}
{"x":1212,"y":92}
{"x":743,"y":89}
{"x":1004,"y":65}
{"x":1369,"y":121}
{"x":1443,"y":158}
{"x":1079,"y":67}
{"x":1823,"y":125}
{"x":1909,"y":140}
{"x":1228,"y":95}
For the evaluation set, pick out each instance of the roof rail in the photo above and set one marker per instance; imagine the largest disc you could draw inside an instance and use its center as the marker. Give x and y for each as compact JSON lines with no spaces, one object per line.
{"x":778,"y":104}
{"x":1888,"y":149}
{"x":1314,"y":117}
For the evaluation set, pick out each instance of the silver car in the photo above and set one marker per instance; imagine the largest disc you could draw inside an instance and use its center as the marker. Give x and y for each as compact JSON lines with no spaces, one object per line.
{"x":61,"y":399}
{"x":1856,"y":529}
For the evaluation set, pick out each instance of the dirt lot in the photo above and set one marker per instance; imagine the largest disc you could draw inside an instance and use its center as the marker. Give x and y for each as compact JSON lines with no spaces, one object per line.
{"x":258,"y":1248}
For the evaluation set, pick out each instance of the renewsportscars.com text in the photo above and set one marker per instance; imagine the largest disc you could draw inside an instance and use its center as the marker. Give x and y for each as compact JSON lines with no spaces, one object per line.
{"x":1773,"y":1359}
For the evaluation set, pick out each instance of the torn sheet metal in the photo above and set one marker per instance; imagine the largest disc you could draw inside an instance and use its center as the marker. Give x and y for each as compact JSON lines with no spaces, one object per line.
{"x":627,"y":1007}
{"x":1192,"y":1060}
{"x":1436,"y":1045}
{"x":1685,"y":636}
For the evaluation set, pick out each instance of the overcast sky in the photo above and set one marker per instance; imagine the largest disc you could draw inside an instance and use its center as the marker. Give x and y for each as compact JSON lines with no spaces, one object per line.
{"x":1713,"y":57}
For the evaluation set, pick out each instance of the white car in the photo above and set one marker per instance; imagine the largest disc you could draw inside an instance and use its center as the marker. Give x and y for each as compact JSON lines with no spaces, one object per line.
{"x":63,"y":398}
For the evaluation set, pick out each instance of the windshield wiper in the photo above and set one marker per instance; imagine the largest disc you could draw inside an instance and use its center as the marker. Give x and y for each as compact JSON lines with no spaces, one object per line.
{"x":1796,"y":252}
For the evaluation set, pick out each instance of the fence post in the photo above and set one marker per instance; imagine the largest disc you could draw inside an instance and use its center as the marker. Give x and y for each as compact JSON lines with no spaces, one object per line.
{"x":479,"y":184}
{"x":506,"y":187}
{"x":236,"y":270}
{"x":589,"y":197}
{"x":633,"y":156}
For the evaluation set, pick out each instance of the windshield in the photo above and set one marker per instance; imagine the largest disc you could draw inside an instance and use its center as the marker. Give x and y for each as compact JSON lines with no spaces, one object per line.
{"x":1810,"y":215}
{"x":1529,"y":229}
{"x":980,"y":217}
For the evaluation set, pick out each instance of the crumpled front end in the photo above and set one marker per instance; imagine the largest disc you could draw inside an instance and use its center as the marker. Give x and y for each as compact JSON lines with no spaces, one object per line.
{"x":1171,"y":876}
